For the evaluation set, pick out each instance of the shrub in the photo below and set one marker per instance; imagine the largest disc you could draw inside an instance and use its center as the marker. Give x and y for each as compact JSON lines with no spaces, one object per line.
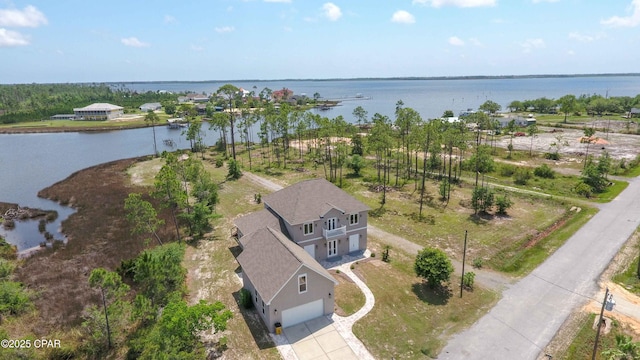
{"x":433,"y":265}
{"x":234,"y":170}
{"x":385,"y":253}
{"x":219,"y":162}
{"x":6,"y":268}
{"x":468,"y":279}
{"x":503,"y":203}
{"x":477,"y":263}
{"x":544,"y":171}
{"x":583,"y":189}
{"x":522,"y":176}
{"x":552,"y":156}
{"x":14,"y":299}
{"x":245,"y":299}
{"x":507,"y":170}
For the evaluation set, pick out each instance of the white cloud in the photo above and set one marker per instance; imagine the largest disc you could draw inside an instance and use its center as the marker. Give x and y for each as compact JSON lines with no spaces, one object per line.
{"x":168,"y":19}
{"x":540,"y":1}
{"x":456,"y":3}
{"x":225,"y":29}
{"x":475,"y":42}
{"x":456,"y":41}
{"x":196,"y":47}
{"x":30,"y":16}
{"x":403,"y":17}
{"x":12,"y":38}
{"x":332,"y":11}
{"x":583,"y":37}
{"x":133,"y":42}
{"x":571,"y":52}
{"x":531,"y":44}
{"x":632,"y":20}
{"x":278,"y":1}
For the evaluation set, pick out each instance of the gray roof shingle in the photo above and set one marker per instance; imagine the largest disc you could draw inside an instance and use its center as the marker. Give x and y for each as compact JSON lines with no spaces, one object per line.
{"x":269,"y":259}
{"x":310,"y":199}
{"x":260,"y":219}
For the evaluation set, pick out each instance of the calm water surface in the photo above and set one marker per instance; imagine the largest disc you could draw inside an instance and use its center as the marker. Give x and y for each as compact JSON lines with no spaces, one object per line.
{"x":31,"y":162}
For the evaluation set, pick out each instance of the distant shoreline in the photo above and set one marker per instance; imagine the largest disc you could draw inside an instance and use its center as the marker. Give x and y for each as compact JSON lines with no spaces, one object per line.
{"x":457,"y":77}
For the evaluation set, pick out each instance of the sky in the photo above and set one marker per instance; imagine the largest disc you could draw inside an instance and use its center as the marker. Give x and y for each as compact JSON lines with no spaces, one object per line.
{"x":64,"y":41}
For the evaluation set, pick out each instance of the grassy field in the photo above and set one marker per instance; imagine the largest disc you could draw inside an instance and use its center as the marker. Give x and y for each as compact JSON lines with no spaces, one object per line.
{"x":411,"y":320}
{"x":131,"y":120}
{"x":582,"y":346}
{"x":444,"y":223}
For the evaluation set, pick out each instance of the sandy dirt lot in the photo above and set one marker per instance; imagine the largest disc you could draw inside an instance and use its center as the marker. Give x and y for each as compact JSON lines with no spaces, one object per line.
{"x":618,"y":145}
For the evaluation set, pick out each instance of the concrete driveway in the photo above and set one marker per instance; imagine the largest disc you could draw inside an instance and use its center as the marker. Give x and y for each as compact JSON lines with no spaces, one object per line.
{"x":318,"y":339}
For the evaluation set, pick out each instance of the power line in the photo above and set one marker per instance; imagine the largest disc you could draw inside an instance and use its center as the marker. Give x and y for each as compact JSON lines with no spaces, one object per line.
{"x":567,"y":290}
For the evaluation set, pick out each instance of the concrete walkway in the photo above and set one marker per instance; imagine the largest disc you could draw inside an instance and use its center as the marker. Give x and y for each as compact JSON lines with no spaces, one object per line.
{"x":329,"y":337}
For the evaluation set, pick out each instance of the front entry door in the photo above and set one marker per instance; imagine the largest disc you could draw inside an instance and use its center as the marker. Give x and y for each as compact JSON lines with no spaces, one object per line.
{"x":332,"y":247}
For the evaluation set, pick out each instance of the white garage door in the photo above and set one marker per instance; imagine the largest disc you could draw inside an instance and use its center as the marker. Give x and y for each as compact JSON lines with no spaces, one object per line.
{"x":302,"y":313}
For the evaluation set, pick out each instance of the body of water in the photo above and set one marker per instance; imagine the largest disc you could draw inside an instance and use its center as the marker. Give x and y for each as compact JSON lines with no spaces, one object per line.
{"x":429,"y":97}
{"x":31,"y":162}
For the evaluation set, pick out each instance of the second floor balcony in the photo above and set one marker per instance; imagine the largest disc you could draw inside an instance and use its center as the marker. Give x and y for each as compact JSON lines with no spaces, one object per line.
{"x":330,"y":234}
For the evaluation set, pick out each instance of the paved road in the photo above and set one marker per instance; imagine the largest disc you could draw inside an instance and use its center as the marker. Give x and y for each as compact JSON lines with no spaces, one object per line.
{"x":532,"y":310}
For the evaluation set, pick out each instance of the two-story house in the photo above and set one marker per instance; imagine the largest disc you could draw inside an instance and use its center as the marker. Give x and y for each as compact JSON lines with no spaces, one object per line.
{"x":302,"y":224}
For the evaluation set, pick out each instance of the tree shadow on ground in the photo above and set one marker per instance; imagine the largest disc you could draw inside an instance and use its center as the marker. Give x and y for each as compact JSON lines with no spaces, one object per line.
{"x":438,"y":295}
{"x":481,"y":218}
{"x":258,"y":330}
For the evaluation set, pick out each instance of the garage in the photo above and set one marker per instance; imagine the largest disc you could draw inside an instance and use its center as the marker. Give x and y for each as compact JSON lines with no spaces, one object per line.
{"x":302,"y":313}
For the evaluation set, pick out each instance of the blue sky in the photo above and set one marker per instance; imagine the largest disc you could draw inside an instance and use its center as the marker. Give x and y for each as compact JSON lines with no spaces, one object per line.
{"x":115,"y":40}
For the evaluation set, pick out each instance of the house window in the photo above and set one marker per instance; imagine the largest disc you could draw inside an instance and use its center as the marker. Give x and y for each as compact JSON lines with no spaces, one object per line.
{"x":256,"y":292}
{"x":308,"y":228}
{"x":302,"y":283}
{"x":263,"y":307}
{"x":331,"y":224}
{"x":353,"y":219}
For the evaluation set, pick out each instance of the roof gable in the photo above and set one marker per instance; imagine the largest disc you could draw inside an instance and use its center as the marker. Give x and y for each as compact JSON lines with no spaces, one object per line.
{"x":310,"y":199}
{"x":270,"y":260}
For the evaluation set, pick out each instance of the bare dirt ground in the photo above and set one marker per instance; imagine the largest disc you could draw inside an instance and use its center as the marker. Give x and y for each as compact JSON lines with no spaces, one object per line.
{"x":619,"y":146}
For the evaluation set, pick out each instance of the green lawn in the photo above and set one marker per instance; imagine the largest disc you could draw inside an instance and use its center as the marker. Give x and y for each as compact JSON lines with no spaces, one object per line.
{"x":349,"y":298}
{"x":410,"y":320}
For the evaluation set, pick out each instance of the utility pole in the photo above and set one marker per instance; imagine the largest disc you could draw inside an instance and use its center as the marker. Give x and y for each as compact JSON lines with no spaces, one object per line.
{"x":595,"y":345}
{"x":464,"y":255}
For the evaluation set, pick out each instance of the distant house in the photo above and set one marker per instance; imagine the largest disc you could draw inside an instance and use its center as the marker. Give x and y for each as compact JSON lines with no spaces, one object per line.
{"x":150,"y":106}
{"x":519,"y":121}
{"x":98,"y":111}
{"x":197,"y":98}
{"x":634,"y":112}
{"x":280,"y":95}
{"x":301,"y":225}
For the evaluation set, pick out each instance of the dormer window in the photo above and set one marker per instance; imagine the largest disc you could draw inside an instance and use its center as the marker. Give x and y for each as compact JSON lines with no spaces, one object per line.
{"x":308,"y":228}
{"x":354,"y":218}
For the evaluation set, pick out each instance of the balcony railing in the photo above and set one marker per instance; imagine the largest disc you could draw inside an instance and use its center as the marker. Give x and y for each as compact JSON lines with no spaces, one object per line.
{"x":330,"y":234}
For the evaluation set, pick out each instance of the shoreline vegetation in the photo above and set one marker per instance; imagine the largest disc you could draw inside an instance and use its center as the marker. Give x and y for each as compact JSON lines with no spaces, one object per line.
{"x":464,"y":77}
